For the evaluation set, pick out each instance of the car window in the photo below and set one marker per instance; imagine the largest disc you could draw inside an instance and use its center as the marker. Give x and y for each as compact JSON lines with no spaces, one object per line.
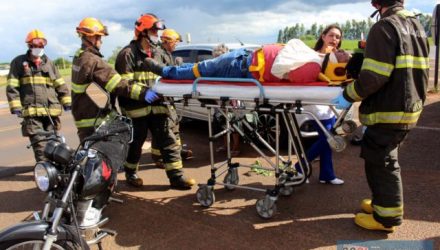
{"x":184,"y":54}
{"x":203,"y":55}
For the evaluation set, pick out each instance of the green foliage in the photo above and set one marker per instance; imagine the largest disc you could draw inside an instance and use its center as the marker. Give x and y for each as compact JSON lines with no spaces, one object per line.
{"x":351,"y":29}
{"x":112,"y":58}
{"x":62,"y":63}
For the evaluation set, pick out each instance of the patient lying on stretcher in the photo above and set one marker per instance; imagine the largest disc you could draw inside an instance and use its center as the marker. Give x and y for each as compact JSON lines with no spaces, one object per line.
{"x":293,"y":62}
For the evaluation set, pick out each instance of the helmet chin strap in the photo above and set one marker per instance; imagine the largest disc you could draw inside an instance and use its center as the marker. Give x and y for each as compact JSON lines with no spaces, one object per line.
{"x":90,"y":44}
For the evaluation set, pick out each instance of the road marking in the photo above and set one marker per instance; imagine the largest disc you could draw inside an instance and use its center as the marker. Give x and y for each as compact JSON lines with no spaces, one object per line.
{"x":427,"y":128}
{"x":272,"y":224}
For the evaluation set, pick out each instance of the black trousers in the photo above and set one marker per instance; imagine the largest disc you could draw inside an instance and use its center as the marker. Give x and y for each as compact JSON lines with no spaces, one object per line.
{"x":159,"y":126}
{"x":380,"y":148}
{"x":30,"y":126}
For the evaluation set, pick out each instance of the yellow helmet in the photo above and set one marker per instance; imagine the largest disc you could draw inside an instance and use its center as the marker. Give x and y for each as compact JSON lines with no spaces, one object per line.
{"x":170,"y":35}
{"x":37,"y":37}
{"x":90,"y":26}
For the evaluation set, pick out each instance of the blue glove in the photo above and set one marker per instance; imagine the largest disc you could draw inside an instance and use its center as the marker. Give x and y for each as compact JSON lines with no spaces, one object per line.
{"x":17,"y":113}
{"x":340,"y":102}
{"x":151,"y":96}
{"x":67,"y":108}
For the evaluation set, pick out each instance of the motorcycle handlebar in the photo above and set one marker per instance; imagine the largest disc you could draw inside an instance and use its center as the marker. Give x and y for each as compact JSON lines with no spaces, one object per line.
{"x":100,"y":136}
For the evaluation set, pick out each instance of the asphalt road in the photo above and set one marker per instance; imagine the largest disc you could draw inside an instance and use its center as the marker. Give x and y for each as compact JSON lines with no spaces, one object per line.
{"x":316,"y":216}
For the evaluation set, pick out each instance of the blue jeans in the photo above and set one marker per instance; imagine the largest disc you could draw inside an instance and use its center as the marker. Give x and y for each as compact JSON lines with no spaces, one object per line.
{"x":234,"y":64}
{"x":322,"y":149}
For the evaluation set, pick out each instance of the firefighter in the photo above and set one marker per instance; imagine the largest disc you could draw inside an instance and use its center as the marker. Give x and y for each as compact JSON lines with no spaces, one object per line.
{"x":392,"y":87}
{"x":152,"y":116}
{"x":169,"y":40}
{"x":89,"y":67}
{"x":36,"y":92}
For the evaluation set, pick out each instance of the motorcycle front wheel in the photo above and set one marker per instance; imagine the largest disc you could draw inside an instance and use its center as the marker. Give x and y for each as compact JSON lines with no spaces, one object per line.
{"x":38,"y":244}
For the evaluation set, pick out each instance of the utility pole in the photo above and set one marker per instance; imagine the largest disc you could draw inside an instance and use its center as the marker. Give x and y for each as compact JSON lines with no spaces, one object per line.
{"x":435,"y":30}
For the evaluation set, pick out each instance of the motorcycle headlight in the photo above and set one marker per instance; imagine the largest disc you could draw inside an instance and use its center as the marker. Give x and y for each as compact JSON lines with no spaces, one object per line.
{"x":46,"y":176}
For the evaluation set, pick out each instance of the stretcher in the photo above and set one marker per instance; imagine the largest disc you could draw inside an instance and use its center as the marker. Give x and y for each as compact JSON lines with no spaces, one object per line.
{"x":281,"y":100}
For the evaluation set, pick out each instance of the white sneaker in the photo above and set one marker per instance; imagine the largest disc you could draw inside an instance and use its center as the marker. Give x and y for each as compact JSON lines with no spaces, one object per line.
{"x":335,"y":181}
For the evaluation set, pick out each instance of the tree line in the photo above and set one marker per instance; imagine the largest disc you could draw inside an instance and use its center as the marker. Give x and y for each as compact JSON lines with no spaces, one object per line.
{"x":351,"y":29}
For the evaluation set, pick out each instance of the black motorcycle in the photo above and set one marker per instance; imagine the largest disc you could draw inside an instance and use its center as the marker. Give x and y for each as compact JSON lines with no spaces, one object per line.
{"x":79,"y":184}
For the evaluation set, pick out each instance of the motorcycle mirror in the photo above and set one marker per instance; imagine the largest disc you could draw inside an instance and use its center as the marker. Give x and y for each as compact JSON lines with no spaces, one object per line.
{"x":98,"y":95}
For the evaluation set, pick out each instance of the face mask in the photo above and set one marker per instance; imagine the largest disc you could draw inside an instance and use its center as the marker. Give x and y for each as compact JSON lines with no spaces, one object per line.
{"x":37,"y":52}
{"x":154,"y":39}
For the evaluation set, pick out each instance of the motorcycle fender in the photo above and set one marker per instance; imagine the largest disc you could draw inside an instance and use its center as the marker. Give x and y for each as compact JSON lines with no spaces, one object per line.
{"x":33,"y":230}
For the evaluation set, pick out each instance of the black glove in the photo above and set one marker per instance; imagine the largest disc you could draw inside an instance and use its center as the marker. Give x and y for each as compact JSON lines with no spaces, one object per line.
{"x":67,"y":108}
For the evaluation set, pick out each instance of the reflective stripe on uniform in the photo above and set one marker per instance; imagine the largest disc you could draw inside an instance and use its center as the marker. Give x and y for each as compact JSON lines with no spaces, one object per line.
{"x":388,"y":211}
{"x":136,"y":91}
{"x":405,"y":13}
{"x":178,"y":142}
{"x":260,"y":67}
{"x":160,"y":110}
{"x":15,"y":104}
{"x":408,"y":61}
{"x":114,"y":81}
{"x":58,"y":82}
{"x":66,"y":100}
{"x":381,"y":68}
{"x":155,"y":151}
{"x":351,"y":92}
{"x":144,"y":76}
{"x":79,"y":88}
{"x":14,"y":83}
{"x":128,"y":76}
{"x":140,"y":112}
{"x":196,"y":71}
{"x":173,"y":165}
{"x":37,"y":111}
{"x":86,"y":123}
{"x":36,"y":80}
{"x":131,"y":165}
{"x":389,"y":117}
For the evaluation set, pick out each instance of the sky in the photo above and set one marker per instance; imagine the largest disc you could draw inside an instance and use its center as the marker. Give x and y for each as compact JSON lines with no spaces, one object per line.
{"x":215,"y":21}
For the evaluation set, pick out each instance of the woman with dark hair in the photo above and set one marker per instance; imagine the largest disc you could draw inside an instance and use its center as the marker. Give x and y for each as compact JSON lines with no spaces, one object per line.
{"x":328,"y":42}
{"x":330,"y":39}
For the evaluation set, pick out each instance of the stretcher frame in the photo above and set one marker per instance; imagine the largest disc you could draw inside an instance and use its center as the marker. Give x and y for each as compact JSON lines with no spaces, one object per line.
{"x":287,"y":177}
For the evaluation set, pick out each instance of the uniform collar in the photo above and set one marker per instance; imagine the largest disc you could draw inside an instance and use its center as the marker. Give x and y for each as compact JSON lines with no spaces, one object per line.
{"x":91,"y":50}
{"x":392,"y":10}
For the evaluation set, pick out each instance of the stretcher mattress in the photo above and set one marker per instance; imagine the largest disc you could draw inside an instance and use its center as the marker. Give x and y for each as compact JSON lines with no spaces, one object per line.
{"x":317,"y":92}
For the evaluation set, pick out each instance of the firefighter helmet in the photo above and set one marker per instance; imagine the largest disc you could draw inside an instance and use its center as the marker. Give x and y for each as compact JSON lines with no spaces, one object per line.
{"x":90,"y":26}
{"x":36,"y":36}
{"x":385,"y":2}
{"x":146,"y":22}
{"x":170,"y":35}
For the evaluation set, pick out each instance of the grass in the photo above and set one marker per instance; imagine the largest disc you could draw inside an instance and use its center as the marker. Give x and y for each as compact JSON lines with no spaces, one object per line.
{"x":65,"y":72}
{"x":2,"y":81}
{"x":348,"y":45}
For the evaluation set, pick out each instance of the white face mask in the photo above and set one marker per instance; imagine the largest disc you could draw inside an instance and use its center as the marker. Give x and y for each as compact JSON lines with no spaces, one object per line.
{"x":37,"y":52}
{"x":154,"y":39}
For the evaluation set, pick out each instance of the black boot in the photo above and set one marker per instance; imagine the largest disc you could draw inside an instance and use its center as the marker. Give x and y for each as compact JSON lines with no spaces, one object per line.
{"x":132,"y":178}
{"x":178,"y":181}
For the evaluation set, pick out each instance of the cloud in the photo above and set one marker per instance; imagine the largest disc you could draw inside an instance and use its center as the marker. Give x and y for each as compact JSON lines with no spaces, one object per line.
{"x":214,"y":21}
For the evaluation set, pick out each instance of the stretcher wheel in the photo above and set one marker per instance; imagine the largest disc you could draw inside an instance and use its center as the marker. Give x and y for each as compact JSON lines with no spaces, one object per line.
{"x":286,"y":191}
{"x":337,"y":143}
{"x":349,"y":126}
{"x":205,"y":196}
{"x":266,"y":208}
{"x":231,"y":178}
